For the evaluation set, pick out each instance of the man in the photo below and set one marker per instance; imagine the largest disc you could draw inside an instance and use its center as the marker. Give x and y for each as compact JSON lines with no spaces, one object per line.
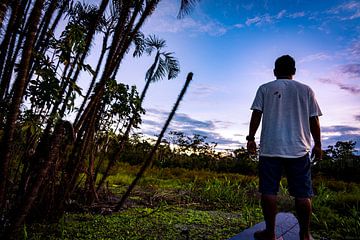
{"x":289,"y":113}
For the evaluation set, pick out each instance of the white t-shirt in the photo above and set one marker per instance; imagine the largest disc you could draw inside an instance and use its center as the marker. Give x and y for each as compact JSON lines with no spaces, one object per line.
{"x":287,"y":106}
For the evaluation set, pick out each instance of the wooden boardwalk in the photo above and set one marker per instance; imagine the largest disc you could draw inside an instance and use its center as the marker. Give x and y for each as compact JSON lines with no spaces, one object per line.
{"x":287,"y":228}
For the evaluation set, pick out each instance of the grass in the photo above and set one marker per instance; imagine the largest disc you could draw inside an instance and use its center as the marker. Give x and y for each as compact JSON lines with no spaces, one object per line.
{"x":185,"y":204}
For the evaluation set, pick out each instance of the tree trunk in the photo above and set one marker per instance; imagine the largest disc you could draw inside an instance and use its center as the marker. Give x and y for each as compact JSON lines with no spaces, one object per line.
{"x":48,"y":155}
{"x":121,"y":41}
{"x":92,"y":84}
{"x":89,"y":37}
{"x":3,"y":8}
{"x":19,"y":87}
{"x":45,"y":23}
{"x":11,"y":59}
{"x":41,"y":34}
{"x":4,"y":47}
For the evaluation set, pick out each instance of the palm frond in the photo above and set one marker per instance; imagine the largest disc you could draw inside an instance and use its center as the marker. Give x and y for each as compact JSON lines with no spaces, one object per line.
{"x":160,"y":71}
{"x":172,"y":65}
{"x":152,"y":42}
{"x":186,"y":6}
{"x":140,"y":46}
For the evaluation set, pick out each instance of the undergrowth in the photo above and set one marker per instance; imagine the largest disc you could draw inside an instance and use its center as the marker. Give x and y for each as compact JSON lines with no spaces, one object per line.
{"x":185,"y":204}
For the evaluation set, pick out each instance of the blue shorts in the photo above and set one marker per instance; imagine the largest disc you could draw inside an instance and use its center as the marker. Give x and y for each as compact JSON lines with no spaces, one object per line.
{"x":297,"y":171}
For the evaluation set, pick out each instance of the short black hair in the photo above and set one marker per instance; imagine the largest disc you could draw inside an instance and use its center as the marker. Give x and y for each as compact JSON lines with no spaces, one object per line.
{"x":284,"y":66}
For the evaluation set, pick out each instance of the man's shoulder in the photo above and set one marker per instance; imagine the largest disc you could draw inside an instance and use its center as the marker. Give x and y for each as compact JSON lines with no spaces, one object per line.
{"x":302,"y":86}
{"x":268,"y":84}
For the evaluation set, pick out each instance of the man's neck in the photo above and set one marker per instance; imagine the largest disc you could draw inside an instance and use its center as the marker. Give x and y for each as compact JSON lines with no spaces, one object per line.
{"x":285,"y":77}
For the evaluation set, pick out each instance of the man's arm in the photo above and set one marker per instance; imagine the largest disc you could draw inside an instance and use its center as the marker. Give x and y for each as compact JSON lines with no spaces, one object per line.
{"x":315,"y":132}
{"x":254,"y":125}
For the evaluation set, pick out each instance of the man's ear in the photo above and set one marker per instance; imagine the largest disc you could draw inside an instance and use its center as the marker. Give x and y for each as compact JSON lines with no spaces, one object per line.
{"x":275,"y":72}
{"x":294,"y":71}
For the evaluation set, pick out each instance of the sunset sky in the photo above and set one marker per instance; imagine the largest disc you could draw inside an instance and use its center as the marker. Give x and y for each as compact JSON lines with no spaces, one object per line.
{"x":230,"y":46}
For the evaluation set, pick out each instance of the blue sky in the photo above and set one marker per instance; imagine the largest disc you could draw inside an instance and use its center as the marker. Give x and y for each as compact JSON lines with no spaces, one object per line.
{"x":230,"y":46}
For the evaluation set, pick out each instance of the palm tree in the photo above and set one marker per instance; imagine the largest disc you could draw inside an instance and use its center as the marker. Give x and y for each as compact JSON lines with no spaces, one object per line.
{"x":164,"y":65}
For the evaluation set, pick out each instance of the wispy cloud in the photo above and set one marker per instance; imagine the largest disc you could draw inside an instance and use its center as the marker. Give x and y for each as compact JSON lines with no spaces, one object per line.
{"x":164,"y":20}
{"x":296,"y":15}
{"x":354,"y":49}
{"x":265,"y":19}
{"x":239,"y":25}
{"x":281,"y":14}
{"x":346,"y":11}
{"x":346,"y":77}
{"x":354,"y":89}
{"x":202,"y":90}
{"x":315,"y":57}
{"x":352,"y":69}
{"x":260,"y":20}
{"x":357,"y":117}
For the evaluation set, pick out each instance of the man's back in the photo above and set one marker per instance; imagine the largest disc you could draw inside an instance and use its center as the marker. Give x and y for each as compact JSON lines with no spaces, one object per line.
{"x":287,"y":106}
{"x":290,"y":116}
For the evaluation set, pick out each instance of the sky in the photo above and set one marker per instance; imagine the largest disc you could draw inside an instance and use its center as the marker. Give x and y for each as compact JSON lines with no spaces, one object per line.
{"x":231,"y":46}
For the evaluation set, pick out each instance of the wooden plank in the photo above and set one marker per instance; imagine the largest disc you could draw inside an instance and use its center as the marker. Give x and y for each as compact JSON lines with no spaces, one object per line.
{"x":287,"y":228}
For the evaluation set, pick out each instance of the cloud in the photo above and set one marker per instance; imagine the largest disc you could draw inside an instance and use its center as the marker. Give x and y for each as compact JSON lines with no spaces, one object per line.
{"x":259,"y":20}
{"x":315,"y":57}
{"x":202,"y":90}
{"x":154,"y":120}
{"x":341,"y":129}
{"x":343,"y":138}
{"x":346,"y":11}
{"x":281,"y":14}
{"x":357,"y":117}
{"x":333,"y":134}
{"x":182,"y":121}
{"x":347,"y":87}
{"x":164,"y":20}
{"x":296,"y":15}
{"x":239,"y":25}
{"x":353,"y":69}
{"x":270,"y":19}
{"x":345,"y":77}
{"x":354,"y":50}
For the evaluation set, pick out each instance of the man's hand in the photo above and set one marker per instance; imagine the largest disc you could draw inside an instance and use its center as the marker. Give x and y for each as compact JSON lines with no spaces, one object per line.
{"x":251,"y":147}
{"x":316,"y":153}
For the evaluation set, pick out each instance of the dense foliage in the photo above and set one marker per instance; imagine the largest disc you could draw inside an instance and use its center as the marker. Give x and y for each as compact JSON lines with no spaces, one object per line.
{"x":51,"y":130}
